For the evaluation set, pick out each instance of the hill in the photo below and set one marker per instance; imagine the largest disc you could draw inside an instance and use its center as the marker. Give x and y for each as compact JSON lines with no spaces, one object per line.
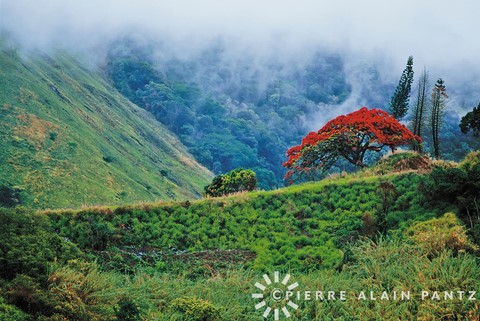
{"x":305,"y":226}
{"x":67,"y":138}
{"x":199,"y":260}
{"x":378,"y":231}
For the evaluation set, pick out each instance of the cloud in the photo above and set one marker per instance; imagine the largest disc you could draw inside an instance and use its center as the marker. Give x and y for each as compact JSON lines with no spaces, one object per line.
{"x":434,"y":31}
{"x":440,"y":34}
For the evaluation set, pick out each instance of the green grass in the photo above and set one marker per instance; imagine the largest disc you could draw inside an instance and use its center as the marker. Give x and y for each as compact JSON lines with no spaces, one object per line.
{"x":199,"y":260}
{"x":304,"y":227}
{"x":386,"y":265}
{"x":68,"y":139}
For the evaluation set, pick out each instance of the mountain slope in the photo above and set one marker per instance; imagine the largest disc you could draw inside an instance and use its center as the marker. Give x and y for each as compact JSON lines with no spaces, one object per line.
{"x":67,"y":138}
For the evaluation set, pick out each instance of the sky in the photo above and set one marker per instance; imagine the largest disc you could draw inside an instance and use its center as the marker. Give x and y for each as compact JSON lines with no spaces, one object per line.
{"x":441,"y":35}
{"x":435,"y":31}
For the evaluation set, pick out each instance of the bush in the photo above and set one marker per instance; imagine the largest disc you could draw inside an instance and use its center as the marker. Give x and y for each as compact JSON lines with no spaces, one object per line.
{"x":27,"y":246}
{"x":195,"y":309}
{"x":9,"y":197}
{"x":82,"y":292}
{"x":127,"y":310}
{"x":237,"y":180}
{"x":436,"y":235}
{"x":457,"y":187}
{"x":27,"y":294}
{"x":11,"y":313}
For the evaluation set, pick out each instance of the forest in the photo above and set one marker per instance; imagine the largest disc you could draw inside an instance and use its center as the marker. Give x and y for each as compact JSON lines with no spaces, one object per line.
{"x":230,"y":113}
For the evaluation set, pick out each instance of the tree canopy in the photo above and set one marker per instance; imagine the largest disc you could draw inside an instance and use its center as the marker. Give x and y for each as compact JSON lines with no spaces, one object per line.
{"x":237,"y":180}
{"x":471,"y":121}
{"x":349,"y":136}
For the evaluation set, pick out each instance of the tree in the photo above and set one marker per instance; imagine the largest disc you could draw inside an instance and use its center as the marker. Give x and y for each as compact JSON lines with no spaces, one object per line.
{"x":9,"y":197}
{"x":420,"y":109}
{"x":471,"y":121}
{"x":399,"y":102}
{"x":237,"y":180}
{"x":349,"y":136}
{"x":437,"y":111}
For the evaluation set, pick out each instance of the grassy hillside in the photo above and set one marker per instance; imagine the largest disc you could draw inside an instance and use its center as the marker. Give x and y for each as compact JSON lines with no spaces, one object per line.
{"x":377,"y":230}
{"x":303,"y":227}
{"x":67,"y":139}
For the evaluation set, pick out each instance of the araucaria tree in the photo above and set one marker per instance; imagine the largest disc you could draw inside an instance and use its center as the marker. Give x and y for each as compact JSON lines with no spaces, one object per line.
{"x":437,"y":111}
{"x":349,"y":136}
{"x":420,"y":109}
{"x":399,"y":103}
{"x":471,"y":121}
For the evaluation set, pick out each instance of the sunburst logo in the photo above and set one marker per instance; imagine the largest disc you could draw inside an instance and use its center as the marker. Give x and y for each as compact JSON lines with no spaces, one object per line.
{"x":275,"y":296}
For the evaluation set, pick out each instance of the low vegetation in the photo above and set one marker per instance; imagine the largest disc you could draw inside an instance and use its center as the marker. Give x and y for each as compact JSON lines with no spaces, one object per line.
{"x":199,"y":260}
{"x":68,"y":139}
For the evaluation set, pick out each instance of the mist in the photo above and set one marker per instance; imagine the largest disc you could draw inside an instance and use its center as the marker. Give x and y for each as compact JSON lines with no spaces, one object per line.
{"x":441,"y":35}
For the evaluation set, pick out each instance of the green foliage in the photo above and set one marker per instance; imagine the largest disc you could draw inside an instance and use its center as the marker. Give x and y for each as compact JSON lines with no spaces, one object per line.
{"x":471,"y":121}
{"x":27,"y":294}
{"x":11,"y":313}
{"x":238,"y":180}
{"x":195,"y":309}
{"x":27,"y":245}
{"x":399,"y":103}
{"x":304,"y":226}
{"x":229,"y":116}
{"x":9,"y":197}
{"x":199,"y":260}
{"x":127,"y":310}
{"x":438,"y":234}
{"x":82,"y":292}
{"x":459,"y":187}
{"x":68,"y":139}
{"x":391,"y":264}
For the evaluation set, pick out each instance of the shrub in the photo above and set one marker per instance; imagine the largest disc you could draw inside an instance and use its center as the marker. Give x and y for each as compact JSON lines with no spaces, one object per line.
{"x":127,"y":310}
{"x":27,"y":246}
{"x":83,"y":292}
{"x":9,"y":197}
{"x":26,"y":293}
{"x":11,"y":313}
{"x":436,"y":235}
{"x":237,"y":180}
{"x":195,"y":309}
{"x":457,"y":187}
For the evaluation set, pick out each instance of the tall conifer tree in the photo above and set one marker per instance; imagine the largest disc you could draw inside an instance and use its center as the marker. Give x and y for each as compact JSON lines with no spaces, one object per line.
{"x":399,"y":103}
{"x":437,"y":111}
{"x":420,"y":109}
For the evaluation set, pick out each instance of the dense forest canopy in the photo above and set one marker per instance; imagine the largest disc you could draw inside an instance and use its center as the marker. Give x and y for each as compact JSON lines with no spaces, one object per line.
{"x":245,"y":110}
{"x":230,"y":113}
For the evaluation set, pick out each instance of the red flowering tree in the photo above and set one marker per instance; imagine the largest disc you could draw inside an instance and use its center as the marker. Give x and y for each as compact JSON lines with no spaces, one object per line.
{"x":349,"y":136}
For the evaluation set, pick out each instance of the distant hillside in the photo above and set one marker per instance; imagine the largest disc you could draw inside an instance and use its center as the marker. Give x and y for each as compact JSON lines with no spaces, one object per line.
{"x":230,"y":110}
{"x":67,"y":139}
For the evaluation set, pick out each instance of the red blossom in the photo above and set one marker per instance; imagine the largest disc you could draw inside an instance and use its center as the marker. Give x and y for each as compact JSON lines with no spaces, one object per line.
{"x":348,"y":136}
